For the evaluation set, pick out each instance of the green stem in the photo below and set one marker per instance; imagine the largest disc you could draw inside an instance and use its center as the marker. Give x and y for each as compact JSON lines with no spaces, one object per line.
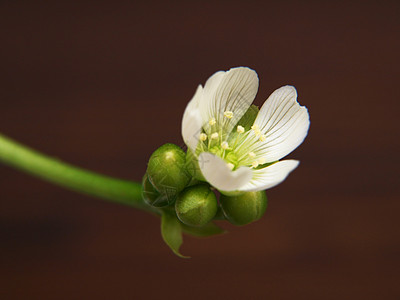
{"x":68,"y":176}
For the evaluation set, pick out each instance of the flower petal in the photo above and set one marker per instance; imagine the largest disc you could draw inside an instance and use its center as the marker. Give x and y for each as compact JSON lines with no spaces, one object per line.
{"x":232,"y":91}
{"x":192,"y":122}
{"x":283,"y":122}
{"x":270,"y":176}
{"x":216,"y":171}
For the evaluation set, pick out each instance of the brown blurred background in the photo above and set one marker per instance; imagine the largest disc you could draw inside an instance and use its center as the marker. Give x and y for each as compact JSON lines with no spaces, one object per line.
{"x":102,"y":85}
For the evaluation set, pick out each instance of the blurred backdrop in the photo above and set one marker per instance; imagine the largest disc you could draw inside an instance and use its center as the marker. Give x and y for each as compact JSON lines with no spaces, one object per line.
{"x":103,"y":84}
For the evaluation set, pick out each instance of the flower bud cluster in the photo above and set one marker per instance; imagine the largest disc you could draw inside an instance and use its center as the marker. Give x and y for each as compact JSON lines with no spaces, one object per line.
{"x":169,"y":182}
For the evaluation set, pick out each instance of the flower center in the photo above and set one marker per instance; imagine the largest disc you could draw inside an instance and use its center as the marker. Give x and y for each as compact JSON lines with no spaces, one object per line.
{"x":235,"y":146}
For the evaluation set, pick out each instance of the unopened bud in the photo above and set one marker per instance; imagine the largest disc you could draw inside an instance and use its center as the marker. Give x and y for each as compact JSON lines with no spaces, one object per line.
{"x":245,"y":208}
{"x":196,"y":205}
{"x":151,"y":196}
{"x":167,"y":172}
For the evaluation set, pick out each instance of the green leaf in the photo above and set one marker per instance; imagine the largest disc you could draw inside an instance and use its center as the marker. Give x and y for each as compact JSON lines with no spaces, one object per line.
{"x":204,"y":231}
{"x":171,"y":232}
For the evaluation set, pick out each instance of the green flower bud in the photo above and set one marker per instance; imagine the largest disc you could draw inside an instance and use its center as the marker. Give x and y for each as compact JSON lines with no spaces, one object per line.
{"x":245,"y":208}
{"x":151,"y":196}
{"x":167,"y":172}
{"x":196,"y":205}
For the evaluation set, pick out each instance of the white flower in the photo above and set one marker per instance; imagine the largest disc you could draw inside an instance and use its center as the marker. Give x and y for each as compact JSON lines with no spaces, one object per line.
{"x":231,"y":157}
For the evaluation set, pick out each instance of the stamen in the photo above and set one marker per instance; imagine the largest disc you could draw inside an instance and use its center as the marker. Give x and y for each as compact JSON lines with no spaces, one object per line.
{"x":256,"y":129}
{"x":240,"y":129}
{"x":214,"y":136}
{"x":224,"y":145}
{"x":228,"y":114}
{"x":254,"y":164}
{"x":212,"y":121}
{"x":262,"y":138}
{"x":261,"y":160}
{"x":203,"y":137}
{"x":252,"y":154}
{"x":230,"y":166}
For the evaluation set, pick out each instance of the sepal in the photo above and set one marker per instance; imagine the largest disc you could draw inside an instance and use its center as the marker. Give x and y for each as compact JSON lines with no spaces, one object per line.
{"x":207,"y":230}
{"x":171,"y":232}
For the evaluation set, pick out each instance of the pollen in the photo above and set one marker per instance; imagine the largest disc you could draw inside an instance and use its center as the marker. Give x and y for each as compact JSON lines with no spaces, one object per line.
{"x":212,"y":121}
{"x":230,"y":166}
{"x":228,"y":114}
{"x":203,"y":137}
{"x":262,"y":138}
{"x":240,"y":129}
{"x":252,"y":154}
{"x":224,"y":145}
{"x":214,"y":136}
{"x":254,"y":164}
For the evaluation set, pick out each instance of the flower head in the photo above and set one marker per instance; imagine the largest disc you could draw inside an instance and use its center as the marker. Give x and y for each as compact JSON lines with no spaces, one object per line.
{"x":238,"y":148}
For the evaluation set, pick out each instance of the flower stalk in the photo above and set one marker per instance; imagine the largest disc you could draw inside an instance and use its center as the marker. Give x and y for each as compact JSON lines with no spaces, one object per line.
{"x":77,"y":179}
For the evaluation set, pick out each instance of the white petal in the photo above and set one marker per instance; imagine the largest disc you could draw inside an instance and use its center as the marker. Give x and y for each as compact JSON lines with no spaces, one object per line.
{"x":192,"y":122}
{"x":232,"y":91}
{"x":270,"y":176}
{"x":216,"y":171}
{"x":283,"y":122}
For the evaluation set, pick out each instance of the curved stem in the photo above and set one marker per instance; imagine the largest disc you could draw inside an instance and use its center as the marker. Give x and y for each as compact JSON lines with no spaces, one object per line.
{"x":68,"y":176}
